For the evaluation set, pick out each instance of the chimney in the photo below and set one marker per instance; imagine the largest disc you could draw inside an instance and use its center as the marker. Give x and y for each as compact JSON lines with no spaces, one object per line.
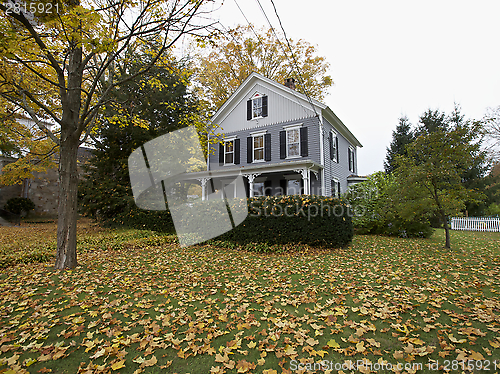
{"x":290,"y":83}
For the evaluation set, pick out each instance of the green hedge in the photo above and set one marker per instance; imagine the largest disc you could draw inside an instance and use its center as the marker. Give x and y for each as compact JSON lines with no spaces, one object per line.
{"x":296,"y":219}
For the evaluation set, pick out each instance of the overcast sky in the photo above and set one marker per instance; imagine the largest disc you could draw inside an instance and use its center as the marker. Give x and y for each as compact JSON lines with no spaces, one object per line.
{"x":392,"y":58}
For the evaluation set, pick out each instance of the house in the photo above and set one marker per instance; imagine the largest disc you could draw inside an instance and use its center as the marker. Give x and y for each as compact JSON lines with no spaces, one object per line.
{"x":281,"y":142}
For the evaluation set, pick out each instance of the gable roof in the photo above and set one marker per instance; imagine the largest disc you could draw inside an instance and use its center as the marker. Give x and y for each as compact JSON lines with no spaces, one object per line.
{"x":294,"y":95}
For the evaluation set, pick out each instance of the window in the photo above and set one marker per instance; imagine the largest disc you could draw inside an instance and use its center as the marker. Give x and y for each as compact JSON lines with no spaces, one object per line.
{"x":229,"y":152}
{"x":257,"y":107}
{"x":258,"y":148}
{"x":259,"y":189}
{"x":292,"y":143}
{"x":333,"y":146}
{"x":350,"y":156}
{"x":335,"y":188}
{"x":293,"y":187}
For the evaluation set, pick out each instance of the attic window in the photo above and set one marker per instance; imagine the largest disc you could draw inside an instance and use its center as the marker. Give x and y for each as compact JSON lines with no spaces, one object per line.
{"x":257,"y":106}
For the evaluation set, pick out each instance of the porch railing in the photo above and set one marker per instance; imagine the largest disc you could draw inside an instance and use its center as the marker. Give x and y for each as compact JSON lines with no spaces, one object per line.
{"x":476,"y":223}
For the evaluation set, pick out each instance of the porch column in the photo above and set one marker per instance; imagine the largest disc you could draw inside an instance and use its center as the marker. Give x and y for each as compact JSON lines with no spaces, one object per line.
{"x":251,"y":178}
{"x":306,"y":177}
{"x":203,"y":187}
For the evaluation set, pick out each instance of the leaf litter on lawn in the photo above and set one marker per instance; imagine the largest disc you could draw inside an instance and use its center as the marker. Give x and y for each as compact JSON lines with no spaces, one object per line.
{"x":168,"y":309}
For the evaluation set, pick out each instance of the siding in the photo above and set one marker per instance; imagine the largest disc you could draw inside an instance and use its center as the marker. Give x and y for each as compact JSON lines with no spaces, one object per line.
{"x":337,"y":170}
{"x":311,"y":123}
{"x":280,"y":109}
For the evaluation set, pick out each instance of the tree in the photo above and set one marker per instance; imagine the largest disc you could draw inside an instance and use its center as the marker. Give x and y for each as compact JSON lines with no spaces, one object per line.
{"x":401,"y":137}
{"x":375,"y":207}
{"x":431,"y":121}
{"x":58,"y":65}
{"x":145,"y":107}
{"x":492,"y":131}
{"x":431,"y":172}
{"x":229,"y":61}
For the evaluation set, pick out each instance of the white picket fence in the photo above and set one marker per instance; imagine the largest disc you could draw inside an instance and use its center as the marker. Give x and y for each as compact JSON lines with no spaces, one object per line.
{"x":476,"y":224}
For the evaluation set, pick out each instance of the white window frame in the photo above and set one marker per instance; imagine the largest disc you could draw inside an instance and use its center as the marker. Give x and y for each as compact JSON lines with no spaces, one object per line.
{"x":256,"y":135}
{"x":232,"y":139}
{"x":334,"y":146}
{"x":255,"y":99}
{"x":292,"y":128}
{"x":336,"y":189}
{"x":351,"y":165}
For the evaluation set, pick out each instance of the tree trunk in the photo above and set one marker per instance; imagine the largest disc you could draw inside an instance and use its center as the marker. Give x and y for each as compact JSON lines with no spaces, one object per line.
{"x":68,"y":171}
{"x":446,"y":230}
{"x":67,"y":210}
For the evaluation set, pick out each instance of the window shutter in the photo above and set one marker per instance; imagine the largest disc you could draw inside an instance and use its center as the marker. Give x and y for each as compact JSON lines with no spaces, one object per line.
{"x":249,"y":110}
{"x":221,"y":154}
{"x":337,"y":147}
{"x":331,"y":145}
{"x":264,"y":106}
{"x":338,"y":190}
{"x":267,"y":147}
{"x":282,"y":144}
{"x":249,"y":149}
{"x":267,"y":188}
{"x":283,"y":186}
{"x":303,"y":142}
{"x":236,"y":151}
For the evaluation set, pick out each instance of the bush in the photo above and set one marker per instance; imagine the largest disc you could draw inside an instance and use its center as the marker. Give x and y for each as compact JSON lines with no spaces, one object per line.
{"x":376,"y":205}
{"x":17,"y":205}
{"x":277,"y":221}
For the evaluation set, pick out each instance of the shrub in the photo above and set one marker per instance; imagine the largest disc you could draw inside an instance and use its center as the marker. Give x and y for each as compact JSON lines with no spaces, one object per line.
{"x":376,"y":205}
{"x":277,"y":221}
{"x":17,"y":205}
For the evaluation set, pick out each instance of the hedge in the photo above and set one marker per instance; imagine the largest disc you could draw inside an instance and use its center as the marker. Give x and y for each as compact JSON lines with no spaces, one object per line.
{"x":293,"y":219}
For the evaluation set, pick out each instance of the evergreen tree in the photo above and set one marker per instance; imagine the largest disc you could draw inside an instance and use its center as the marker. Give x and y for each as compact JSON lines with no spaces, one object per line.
{"x":401,"y":137}
{"x":144,"y":108}
{"x":431,"y":121}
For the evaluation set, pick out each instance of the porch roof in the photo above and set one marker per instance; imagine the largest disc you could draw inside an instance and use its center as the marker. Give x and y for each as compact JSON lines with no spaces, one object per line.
{"x":255,"y":168}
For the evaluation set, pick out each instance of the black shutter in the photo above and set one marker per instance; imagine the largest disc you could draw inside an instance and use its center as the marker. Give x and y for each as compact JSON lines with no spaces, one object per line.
{"x":236,"y":151}
{"x":267,"y":147}
{"x":221,"y":154}
{"x":337,"y":147}
{"x":283,"y":186}
{"x":282,"y":144}
{"x":267,"y":188}
{"x":249,"y":110}
{"x":249,"y":149}
{"x":331,"y":145}
{"x":264,"y":106}
{"x":338,"y":187}
{"x":303,"y":142}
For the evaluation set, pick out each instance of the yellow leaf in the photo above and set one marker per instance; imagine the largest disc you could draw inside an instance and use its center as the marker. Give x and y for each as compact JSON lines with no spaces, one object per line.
{"x":476,"y":356}
{"x":494,"y":344}
{"x":455,"y":340}
{"x":251,"y":344}
{"x":398,"y":355}
{"x":118,"y":365}
{"x":333,"y":344}
{"x":152,"y":361}
{"x":321,"y":353}
{"x":360,"y":347}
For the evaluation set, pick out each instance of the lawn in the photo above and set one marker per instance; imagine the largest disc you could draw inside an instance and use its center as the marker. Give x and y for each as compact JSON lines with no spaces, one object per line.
{"x":140,"y":304}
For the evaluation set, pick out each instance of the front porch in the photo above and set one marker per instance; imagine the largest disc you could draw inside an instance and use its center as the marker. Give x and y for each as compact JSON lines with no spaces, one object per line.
{"x":286,"y":178}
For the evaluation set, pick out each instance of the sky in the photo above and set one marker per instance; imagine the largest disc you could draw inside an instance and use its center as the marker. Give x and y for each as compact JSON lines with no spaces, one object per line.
{"x":392,"y":58}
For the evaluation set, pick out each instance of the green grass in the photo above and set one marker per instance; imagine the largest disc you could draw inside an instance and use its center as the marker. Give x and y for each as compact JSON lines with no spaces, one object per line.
{"x":140,"y":303}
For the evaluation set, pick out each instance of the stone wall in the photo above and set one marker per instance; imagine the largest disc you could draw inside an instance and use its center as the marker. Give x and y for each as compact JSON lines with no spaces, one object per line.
{"x":8,"y":192}
{"x":43,"y":190}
